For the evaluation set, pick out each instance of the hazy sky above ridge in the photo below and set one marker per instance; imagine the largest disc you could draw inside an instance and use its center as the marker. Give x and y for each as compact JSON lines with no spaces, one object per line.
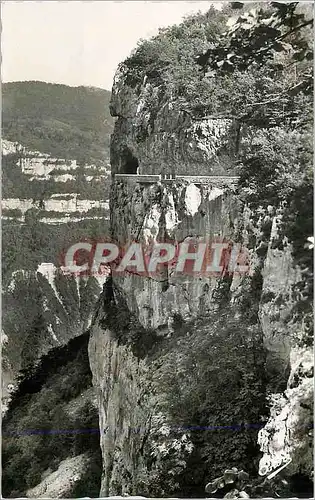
{"x":80,"y":42}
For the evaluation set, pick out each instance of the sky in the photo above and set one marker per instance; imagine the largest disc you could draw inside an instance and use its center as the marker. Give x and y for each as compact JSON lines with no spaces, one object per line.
{"x":80,"y":42}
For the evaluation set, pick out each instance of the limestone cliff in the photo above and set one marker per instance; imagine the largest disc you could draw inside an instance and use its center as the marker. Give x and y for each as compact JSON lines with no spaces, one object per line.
{"x":178,"y":212}
{"x":55,"y":192}
{"x":155,"y":133}
{"x":42,"y":310}
{"x":147,"y":328}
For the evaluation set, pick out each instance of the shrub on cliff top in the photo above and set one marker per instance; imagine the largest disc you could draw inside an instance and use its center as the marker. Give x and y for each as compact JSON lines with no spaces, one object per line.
{"x":170,"y":56}
{"x":185,"y":59}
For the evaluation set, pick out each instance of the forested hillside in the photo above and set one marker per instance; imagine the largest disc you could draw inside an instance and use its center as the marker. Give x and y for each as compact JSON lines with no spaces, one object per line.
{"x":54,"y":123}
{"x":67,"y":122}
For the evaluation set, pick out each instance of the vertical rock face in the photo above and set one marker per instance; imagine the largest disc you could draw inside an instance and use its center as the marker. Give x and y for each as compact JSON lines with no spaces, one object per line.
{"x":147,"y":326}
{"x":156,"y":134}
{"x":139,"y":443}
{"x":177,"y":212}
{"x":43,"y":310}
{"x":287,"y":436}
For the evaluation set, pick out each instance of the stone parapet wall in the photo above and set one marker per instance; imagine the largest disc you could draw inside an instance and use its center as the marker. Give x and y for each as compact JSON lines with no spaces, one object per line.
{"x":168,"y":179}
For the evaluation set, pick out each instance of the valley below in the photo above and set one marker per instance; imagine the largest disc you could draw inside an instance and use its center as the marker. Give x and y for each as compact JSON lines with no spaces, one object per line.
{"x":48,"y":204}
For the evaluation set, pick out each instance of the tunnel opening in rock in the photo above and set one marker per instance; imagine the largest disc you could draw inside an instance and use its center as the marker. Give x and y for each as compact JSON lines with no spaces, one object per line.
{"x":129,"y":162}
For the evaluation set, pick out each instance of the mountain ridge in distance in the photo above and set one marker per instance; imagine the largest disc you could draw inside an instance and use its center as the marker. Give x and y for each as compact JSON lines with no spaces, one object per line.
{"x":66,"y":122}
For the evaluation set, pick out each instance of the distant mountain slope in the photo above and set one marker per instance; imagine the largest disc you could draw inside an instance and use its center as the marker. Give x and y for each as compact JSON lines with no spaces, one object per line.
{"x":67,"y":122}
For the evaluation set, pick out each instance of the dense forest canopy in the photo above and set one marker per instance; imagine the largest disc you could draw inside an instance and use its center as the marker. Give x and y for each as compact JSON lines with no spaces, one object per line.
{"x":203,"y":64}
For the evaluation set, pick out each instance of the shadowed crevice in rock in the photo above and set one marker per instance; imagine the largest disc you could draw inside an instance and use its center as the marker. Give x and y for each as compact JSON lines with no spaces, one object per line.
{"x":129,"y":163}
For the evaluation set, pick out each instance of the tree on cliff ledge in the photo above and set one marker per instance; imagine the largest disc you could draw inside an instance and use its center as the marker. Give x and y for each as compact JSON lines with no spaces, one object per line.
{"x":258,"y":35}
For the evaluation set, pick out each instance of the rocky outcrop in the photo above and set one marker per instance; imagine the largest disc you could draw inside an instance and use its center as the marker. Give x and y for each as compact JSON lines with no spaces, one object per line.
{"x":126,"y":415}
{"x":288,"y":436}
{"x":180,"y":212}
{"x":158,"y":135}
{"x":42,"y":166}
{"x":43,"y":310}
{"x":61,"y":483}
{"x":63,"y":204}
{"x":124,"y":375}
{"x":133,"y":337}
{"x":277,"y":301}
{"x":143,"y":321}
{"x":36,"y":181}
